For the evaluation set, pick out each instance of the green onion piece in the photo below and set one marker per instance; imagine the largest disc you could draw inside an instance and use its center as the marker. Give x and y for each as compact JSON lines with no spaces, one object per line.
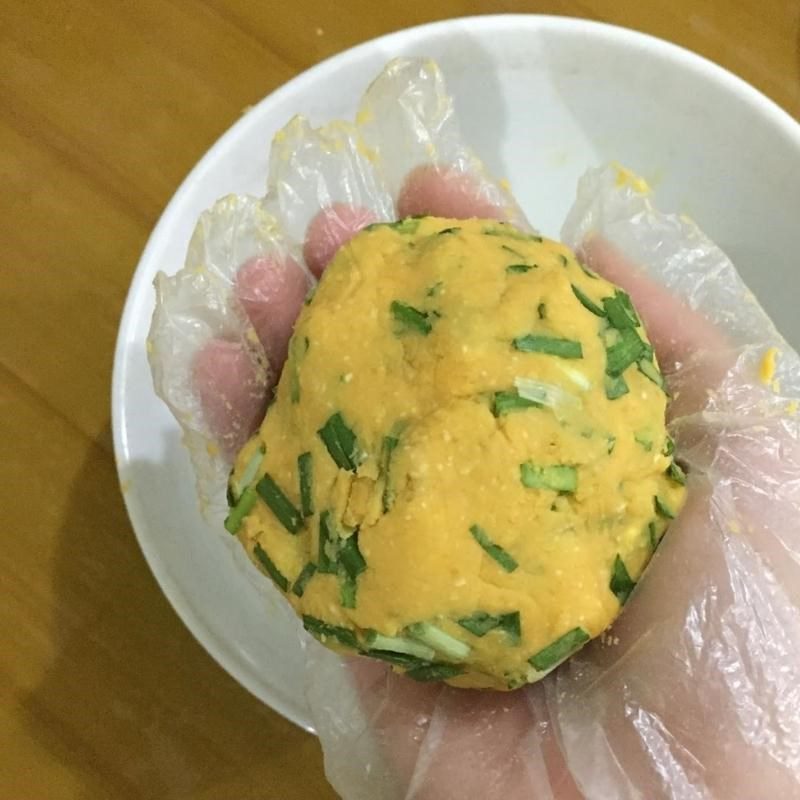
{"x":448,"y":230}
{"x":586,"y":271}
{"x":653,"y":534}
{"x":518,"y":269}
{"x":244,"y":505}
{"x":612,"y":443}
{"x":350,"y":556}
{"x":507,"y":401}
{"x":304,"y":469}
{"x":560,"y":649}
{"x":411,"y":318}
{"x":328,"y":545}
{"x":347,"y":592}
{"x":295,"y":355}
{"x":407,"y":225}
{"x":541,"y":310}
{"x":389,"y":445}
{"x":644,"y":440}
{"x":621,"y":583}
{"x":229,"y":494}
{"x":619,"y":311}
{"x":677,"y":474}
{"x":669,"y":447}
{"x":434,"y":672}
{"x":279,"y":504}
{"x":434,"y":290}
{"x":398,"y":659}
{"x":339,"y":439}
{"x":615,"y":387}
{"x":494,"y":551}
{"x":441,"y":642}
{"x":650,"y":371}
{"x":253,"y":466}
{"x":513,"y":252}
{"x":662,"y":509}
{"x":399,"y":644}
{"x":628,"y":350}
{"x":504,"y":229}
{"x":324,"y":630}
{"x":271,"y":569}
{"x":480,"y":623}
{"x":563,"y":259}
{"x":558,"y":477}
{"x":549,"y":345}
{"x":306,"y":574}
{"x":587,"y":303}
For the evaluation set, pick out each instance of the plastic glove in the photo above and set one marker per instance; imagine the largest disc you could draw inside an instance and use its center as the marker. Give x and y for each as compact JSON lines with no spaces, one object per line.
{"x":694,"y":693}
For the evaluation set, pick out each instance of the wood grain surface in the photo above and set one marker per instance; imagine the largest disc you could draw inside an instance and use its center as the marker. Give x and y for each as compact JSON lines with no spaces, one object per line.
{"x":105,"y":107}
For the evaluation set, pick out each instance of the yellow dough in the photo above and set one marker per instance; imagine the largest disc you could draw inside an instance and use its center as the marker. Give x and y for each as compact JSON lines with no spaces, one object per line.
{"x":478,"y":424}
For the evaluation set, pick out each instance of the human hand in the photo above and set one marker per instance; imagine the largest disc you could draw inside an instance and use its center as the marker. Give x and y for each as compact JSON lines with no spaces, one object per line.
{"x":693,"y":694}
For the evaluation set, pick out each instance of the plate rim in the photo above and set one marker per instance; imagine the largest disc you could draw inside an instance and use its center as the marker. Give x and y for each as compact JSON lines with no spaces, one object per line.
{"x":476,"y":24}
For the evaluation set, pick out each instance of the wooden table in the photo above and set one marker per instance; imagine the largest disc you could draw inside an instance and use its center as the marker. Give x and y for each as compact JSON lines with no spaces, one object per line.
{"x":106,"y":106}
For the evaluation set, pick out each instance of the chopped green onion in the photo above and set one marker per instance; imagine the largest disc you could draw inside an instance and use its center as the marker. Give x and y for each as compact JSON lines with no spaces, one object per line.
{"x":340,"y":441}
{"x":563,"y":259}
{"x":562,"y":403}
{"x":328,"y":545}
{"x":644,"y":440}
{"x":441,"y":642}
{"x":244,"y":505}
{"x":324,"y":630}
{"x":549,"y":345}
{"x":434,"y":290}
{"x":662,"y":509}
{"x":306,"y":574}
{"x":480,"y":623}
{"x":621,"y":583}
{"x":615,"y":387}
{"x":407,"y":225}
{"x":434,"y":672}
{"x":558,"y":477}
{"x":350,"y":556}
{"x":399,"y":644}
{"x":612,"y":443}
{"x":398,"y":659}
{"x":389,"y":445}
{"x":587,"y":271}
{"x":295,"y":355}
{"x":448,"y":230}
{"x":669,"y":447}
{"x":513,"y":252}
{"x":677,"y":474}
{"x":507,"y":401}
{"x":304,"y":469}
{"x":650,"y":371}
{"x":560,"y":649}
{"x":279,"y":504}
{"x":411,"y":318}
{"x":494,"y":551}
{"x":541,"y":310}
{"x":347,"y":592}
{"x":504,"y":229}
{"x":587,"y":303}
{"x":653,"y":534}
{"x":620,"y":312}
{"x":518,"y":269}
{"x":271,"y":569}
{"x":235,"y":488}
{"x":628,"y":350}
{"x":229,"y":494}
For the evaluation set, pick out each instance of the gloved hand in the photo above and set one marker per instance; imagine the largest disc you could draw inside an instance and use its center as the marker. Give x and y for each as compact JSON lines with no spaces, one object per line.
{"x":694,"y":692}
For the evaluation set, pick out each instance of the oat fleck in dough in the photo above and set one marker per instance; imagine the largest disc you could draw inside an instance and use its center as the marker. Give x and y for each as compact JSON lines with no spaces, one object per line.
{"x":466,"y":467}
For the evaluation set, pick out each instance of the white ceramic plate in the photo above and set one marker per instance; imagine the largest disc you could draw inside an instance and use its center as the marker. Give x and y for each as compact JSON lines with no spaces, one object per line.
{"x":540,"y":99}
